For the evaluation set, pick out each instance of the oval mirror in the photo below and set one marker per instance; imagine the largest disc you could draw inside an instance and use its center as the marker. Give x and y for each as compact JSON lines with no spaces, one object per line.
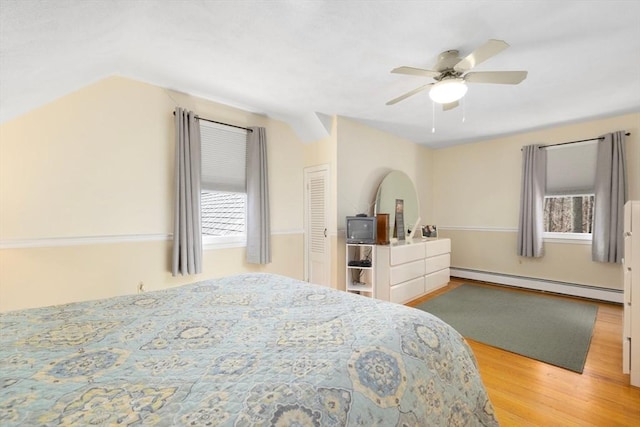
{"x":397,"y":185}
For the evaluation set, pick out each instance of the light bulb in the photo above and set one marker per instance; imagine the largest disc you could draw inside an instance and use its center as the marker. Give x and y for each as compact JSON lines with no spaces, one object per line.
{"x":447,"y":91}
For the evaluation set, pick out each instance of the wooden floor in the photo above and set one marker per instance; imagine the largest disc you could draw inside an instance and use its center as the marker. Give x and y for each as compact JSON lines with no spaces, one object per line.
{"x":525,"y":392}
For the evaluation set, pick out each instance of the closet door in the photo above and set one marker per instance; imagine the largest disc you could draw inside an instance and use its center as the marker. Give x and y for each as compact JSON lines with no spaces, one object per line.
{"x":317,"y":248}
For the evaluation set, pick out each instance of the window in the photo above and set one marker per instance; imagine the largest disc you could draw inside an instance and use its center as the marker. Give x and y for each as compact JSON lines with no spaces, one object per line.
{"x":568,"y":214}
{"x":569,"y":198}
{"x":223,"y":214}
{"x":223,"y":195}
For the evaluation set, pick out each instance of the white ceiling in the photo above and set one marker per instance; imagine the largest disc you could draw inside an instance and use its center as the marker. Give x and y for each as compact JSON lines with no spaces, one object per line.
{"x":290,"y":59}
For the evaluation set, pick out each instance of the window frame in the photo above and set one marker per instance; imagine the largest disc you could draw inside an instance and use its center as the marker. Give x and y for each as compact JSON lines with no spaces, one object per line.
{"x":220,"y":242}
{"x":586,"y":151}
{"x":229,"y":241}
{"x":574,"y":238}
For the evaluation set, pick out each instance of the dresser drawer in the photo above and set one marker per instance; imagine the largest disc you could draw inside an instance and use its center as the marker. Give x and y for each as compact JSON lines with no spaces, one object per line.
{"x":404,"y":272}
{"x":438,"y":262}
{"x":407,"y":253}
{"x":438,"y":247}
{"x":407,"y":291}
{"x":436,"y":280}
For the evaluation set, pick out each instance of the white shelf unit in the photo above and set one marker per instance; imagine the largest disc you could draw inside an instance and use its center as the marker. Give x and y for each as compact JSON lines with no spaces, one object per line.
{"x":360,"y":277}
{"x":631,"y":319}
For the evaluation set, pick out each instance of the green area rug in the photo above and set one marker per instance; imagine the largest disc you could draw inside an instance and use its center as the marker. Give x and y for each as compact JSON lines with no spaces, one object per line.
{"x":550,"y":330}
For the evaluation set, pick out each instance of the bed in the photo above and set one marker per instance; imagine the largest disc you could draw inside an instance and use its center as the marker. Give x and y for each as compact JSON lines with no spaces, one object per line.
{"x":245,"y":350}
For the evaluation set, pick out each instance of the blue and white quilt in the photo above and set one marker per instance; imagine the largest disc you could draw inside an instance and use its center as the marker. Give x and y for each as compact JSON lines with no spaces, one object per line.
{"x":246,"y":350}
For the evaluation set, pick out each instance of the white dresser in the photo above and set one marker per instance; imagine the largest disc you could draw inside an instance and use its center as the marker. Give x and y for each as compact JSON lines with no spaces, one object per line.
{"x":631,"y":265}
{"x":406,"y":271}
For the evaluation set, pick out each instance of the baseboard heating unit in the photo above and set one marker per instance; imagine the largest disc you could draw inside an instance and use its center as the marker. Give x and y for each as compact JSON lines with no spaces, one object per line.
{"x":564,"y":288}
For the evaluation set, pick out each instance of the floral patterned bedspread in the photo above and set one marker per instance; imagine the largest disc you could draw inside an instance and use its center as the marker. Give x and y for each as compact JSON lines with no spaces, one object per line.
{"x":253,"y":349}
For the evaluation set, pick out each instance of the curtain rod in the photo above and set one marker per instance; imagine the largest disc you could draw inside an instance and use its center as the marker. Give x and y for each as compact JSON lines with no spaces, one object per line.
{"x":574,"y":142}
{"x":220,"y":123}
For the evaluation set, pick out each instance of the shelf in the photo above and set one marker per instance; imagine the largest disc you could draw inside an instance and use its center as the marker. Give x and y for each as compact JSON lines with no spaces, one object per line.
{"x":364,"y":289}
{"x":360,"y":279}
{"x":360,"y":286}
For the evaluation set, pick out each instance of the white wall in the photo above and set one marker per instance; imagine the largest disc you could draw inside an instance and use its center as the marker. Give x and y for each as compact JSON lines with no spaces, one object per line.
{"x":364,"y":157}
{"x":476,"y":202}
{"x":472,"y":193}
{"x":86,"y":187}
{"x":86,"y":194}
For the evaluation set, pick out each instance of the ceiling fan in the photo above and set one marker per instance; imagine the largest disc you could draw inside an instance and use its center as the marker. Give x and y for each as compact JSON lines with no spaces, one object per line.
{"x":451,"y":74}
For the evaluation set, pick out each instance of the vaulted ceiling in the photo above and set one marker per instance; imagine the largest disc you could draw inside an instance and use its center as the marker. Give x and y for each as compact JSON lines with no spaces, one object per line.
{"x":293,"y":59}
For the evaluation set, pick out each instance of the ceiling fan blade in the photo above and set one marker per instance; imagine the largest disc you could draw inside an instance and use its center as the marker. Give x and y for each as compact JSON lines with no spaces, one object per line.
{"x":415,"y":72}
{"x":408,"y":94}
{"x":450,"y":106}
{"x":499,"y":77}
{"x":481,"y":54}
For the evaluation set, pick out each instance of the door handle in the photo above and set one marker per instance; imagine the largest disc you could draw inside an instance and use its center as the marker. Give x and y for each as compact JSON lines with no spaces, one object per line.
{"x":325,"y":232}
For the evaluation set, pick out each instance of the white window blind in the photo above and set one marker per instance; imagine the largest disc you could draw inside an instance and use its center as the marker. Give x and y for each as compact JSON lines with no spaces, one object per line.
{"x":571,"y":169}
{"x":224,"y":157}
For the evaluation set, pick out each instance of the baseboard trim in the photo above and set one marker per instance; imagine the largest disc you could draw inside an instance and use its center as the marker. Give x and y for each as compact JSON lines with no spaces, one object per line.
{"x":564,"y":288}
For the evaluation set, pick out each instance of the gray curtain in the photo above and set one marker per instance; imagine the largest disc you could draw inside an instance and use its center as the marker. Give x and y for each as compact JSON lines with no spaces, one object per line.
{"x":258,"y":221}
{"x":531,"y":227}
{"x":610,"y":197}
{"x":187,"y":230}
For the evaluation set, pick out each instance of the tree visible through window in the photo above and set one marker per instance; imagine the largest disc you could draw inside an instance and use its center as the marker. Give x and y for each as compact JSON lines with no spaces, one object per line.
{"x":568,"y":214}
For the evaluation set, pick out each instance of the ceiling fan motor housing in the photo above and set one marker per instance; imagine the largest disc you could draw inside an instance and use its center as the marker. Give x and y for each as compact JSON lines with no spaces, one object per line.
{"x":446,"y":61}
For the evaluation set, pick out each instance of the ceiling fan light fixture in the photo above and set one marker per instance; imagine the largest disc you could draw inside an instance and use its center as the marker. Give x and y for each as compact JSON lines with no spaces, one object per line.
{"x":447,"y":91}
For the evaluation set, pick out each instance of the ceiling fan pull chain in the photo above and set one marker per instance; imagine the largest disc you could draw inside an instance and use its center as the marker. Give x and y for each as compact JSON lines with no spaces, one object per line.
{"x":433,"y":117}
{"x":464,"y":110}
